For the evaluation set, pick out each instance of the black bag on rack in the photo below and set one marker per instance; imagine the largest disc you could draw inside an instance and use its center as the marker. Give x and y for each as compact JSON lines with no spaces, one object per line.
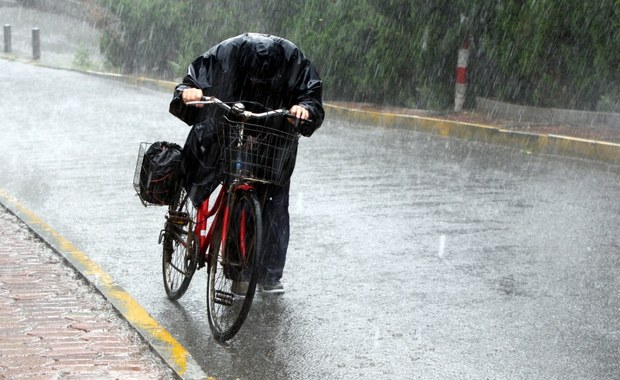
{"x":160,"y":173}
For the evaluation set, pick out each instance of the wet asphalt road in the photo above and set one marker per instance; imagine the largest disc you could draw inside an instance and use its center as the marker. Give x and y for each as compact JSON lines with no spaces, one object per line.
{"x":412,"y":256}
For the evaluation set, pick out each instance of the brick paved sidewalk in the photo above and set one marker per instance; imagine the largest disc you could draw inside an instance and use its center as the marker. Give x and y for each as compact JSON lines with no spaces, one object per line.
{"x":54,"y":325}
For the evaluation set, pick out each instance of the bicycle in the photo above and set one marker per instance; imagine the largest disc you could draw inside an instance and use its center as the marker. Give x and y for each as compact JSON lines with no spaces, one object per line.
{"x":226,"y":236}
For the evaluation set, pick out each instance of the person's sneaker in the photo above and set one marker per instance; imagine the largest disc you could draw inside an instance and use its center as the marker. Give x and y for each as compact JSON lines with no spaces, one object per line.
{"x":239,"y":288}
{"x":271,"y":288}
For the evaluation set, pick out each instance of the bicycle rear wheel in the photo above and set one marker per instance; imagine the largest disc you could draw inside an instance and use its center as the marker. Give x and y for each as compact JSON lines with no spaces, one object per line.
{"x":179,"y":247}
{"x":233,"y":266}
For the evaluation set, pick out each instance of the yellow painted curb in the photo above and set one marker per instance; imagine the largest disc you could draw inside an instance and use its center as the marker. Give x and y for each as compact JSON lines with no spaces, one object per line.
{"x":160,"y":340}
{"x":531,"y":142}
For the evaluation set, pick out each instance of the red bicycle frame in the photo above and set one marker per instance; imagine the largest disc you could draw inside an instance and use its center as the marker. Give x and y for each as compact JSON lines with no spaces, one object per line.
{"x":221,"y":211}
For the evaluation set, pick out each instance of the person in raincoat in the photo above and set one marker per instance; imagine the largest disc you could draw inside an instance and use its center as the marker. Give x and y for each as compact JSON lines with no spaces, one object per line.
{"x":252,"y":67}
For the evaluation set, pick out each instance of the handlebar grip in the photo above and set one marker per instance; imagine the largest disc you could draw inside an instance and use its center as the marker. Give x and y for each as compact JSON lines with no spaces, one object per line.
{"x":305,"y":127}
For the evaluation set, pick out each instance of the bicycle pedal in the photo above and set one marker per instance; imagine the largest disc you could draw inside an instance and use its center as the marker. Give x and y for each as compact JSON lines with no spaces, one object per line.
{"x":224,"y":298}
{"x":178,"y":218}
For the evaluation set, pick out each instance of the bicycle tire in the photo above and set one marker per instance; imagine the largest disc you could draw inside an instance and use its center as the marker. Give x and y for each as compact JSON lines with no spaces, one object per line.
{"x":237,"y":258}
{"x":179,"y":257}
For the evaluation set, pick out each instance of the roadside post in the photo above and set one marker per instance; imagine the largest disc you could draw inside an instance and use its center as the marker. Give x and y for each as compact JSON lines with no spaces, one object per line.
{"x":36,"y":44}
{"x":461,"y":75}
{"x":7,"y":38}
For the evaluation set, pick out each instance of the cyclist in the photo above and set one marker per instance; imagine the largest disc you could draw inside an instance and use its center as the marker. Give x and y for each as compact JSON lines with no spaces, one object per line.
{"x":262,"y":68}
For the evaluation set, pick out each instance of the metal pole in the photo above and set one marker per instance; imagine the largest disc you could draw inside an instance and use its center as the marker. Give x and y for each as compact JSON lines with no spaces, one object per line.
{"x":7,"y":38}
{"x":36,"y":44}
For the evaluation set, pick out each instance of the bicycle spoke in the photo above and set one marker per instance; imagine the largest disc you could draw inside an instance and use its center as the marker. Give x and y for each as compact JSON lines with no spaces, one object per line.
{"x":183,"y":272}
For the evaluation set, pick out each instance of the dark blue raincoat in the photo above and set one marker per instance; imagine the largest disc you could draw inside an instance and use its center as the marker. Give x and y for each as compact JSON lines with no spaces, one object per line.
{"x":250,"y":67}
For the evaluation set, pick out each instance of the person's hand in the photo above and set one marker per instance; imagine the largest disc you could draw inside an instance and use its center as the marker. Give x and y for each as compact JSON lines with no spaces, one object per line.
{"x":300,"y":112}
{"x":192,"y":95}
{"x":303,"y":117}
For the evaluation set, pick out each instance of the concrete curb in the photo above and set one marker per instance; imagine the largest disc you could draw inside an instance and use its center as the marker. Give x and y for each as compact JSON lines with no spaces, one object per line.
{"x":156,"y":336}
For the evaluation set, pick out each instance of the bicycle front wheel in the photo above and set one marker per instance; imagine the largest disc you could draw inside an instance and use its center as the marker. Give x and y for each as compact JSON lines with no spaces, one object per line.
{"x":234,"y":259}
{"x":179,"y":247}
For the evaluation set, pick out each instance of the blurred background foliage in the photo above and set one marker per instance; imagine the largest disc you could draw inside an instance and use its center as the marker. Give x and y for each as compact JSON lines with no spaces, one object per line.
{"x":546,"y":53}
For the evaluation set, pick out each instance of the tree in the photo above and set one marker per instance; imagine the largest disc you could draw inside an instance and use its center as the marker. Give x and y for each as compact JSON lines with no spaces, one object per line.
{"x":553,"y":54}
{"x":402,"y":52}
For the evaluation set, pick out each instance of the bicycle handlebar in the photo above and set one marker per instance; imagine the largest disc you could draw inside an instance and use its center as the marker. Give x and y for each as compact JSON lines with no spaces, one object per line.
{"x":238,"y":109}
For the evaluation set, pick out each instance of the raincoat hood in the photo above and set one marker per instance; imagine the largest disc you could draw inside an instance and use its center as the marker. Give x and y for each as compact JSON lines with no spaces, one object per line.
{"x":254,"y":67}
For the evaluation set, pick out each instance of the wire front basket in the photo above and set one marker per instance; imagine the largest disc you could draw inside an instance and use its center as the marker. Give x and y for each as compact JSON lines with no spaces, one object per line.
{"x":258,"y":153}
